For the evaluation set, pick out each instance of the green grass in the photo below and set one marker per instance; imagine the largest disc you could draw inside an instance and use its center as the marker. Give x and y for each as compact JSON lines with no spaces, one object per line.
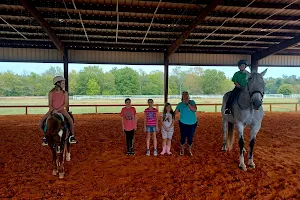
{"x":32,"y":101}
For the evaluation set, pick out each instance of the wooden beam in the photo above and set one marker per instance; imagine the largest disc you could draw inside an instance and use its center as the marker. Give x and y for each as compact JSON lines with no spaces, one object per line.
{"x":166,"y":78}
{"x":254,"y":64}
{"x":275,"y":48}
{"x":44,"y":24}
{"x":185,"y":34}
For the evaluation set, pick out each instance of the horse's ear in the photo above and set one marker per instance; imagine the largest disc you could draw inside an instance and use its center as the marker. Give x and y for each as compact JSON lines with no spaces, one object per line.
{"x":264,"y":72}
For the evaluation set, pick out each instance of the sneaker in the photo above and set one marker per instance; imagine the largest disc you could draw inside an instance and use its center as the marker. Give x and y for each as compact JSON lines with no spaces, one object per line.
{"x":148,"y":152}
{"x":128,"y":153}
{"x":155,"y":152}
{"x":44,"y":143}
{"x":72,"y":139}
{"x":132,"y":151}
{"x":227,"y":111}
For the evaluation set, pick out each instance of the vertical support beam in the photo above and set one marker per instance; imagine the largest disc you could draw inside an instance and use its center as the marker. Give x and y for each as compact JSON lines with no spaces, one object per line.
{"x":166,"y":78}
{"x":254,"y":64}
{"x":66,"y":71}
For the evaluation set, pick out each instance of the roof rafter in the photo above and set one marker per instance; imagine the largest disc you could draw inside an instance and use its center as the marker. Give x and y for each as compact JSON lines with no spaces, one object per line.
{"x":185,"y":34}
{"x":37,"y":16}
{"x":275,"y":48}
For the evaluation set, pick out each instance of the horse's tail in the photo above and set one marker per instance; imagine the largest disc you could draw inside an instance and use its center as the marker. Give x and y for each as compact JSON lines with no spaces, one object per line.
{"x":230,"y":138}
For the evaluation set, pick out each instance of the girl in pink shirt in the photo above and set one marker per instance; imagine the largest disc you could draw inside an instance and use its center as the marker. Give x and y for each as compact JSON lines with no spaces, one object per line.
{"x":151,"y":126}
{"x":129,"y":125}
{"x":58,"y":99}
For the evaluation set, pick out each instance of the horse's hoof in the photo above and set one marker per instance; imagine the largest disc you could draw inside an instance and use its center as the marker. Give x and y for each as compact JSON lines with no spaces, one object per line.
{"x":68,"y":157}
{"x":243,"y":167}
{"x":54,"y":172}
{"x":251,"y":166}
{"x":61,"y":175}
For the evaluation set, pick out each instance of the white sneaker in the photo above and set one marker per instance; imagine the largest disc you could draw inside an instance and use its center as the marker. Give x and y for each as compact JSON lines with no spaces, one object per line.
{"x":68,"y":157}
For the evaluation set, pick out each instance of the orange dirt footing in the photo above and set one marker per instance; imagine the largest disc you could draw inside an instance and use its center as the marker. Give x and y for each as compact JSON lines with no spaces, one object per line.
{"x":99,"y":168}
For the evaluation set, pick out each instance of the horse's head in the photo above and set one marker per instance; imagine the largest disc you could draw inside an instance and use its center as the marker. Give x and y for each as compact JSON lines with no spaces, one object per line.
{"x":56,"y":132}
{"x":256,"y":88}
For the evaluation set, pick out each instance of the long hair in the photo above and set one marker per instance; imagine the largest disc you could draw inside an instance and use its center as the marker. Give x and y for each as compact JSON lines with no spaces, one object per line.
{"x":165,"y":111}
{"x":57,"y":87}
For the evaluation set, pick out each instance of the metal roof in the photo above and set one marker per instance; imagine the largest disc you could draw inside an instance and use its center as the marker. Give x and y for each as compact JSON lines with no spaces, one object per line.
{"x":234,"y":26}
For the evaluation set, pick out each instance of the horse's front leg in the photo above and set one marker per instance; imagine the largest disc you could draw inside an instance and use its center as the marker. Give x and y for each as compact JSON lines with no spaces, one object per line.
{"x":225,"y":129}
{"x":54,"y":158}
{"x":240,"y":127}
{"x":254,"y":131}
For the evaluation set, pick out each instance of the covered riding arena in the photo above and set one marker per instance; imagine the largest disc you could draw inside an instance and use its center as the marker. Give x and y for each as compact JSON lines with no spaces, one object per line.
{"x":151,"y":32}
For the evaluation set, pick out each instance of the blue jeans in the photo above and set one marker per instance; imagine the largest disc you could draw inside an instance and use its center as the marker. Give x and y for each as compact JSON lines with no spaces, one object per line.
{"x":187,"y":131}
{"x":150,"y":129}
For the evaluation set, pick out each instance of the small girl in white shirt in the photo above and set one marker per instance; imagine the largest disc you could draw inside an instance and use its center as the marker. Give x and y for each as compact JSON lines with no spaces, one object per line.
{"x":167,"y":129}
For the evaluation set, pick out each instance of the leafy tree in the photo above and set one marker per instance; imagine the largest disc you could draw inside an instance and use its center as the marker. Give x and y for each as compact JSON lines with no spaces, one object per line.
{"x":154,"y":83}
{"x":109,"y":86}
{"x":93,"y":87}
{"x":213,"y":81}
{"x":73,"y":83}
{"x":285,"y":89}
{"x":127,"y":81}
{"x":54,"y":71}
{"x":90,"y":72}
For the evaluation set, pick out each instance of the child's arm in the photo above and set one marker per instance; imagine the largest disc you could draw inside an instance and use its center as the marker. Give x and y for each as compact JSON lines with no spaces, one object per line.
{"x":162,"y":123}
{"x":135,"y":120}
{"x":237,"y":85}
{"x":50,"y":101}
{"x":157,"y":129}
{"x":145,"y":121}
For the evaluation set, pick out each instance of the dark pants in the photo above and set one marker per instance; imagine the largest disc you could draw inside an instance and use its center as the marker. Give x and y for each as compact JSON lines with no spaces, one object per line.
{"x":129,"y":140}
{"x":236,"y":91}
{"x":187,"y":131}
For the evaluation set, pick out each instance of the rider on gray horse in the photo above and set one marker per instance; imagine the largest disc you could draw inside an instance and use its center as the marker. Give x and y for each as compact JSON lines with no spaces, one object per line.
{"x":240,"y":81}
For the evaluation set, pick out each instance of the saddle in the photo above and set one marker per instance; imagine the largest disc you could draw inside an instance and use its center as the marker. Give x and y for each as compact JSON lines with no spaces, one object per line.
{"x":61,"y":118}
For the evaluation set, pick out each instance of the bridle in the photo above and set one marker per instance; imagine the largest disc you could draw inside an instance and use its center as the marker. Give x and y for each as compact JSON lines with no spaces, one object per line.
{"x":250,"y":95}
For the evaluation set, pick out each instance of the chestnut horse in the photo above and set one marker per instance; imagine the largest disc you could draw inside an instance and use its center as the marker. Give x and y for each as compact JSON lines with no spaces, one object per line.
{"x":58,"y":136}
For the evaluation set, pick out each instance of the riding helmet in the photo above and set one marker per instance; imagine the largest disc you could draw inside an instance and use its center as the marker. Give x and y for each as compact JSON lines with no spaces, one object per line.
{"x":242,"y":62}
{"x":57,"y":79}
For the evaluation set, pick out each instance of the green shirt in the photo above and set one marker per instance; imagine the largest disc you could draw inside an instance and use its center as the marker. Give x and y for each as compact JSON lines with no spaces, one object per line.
{"x":240,"y":78}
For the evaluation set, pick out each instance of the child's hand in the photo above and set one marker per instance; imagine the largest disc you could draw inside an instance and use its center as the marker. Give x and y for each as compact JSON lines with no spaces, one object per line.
{"x":157,"y":129}
{"x":135,"y":128}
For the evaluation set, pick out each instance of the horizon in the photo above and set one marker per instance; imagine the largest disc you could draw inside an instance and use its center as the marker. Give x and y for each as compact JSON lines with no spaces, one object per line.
{"x":39,"y":68}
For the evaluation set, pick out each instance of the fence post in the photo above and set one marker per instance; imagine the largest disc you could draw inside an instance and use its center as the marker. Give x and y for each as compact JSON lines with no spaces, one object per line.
{"x":270,"y":107}
{"x":296,"y":107}
{"x":216,"y":108}
{"x":26,"y":110}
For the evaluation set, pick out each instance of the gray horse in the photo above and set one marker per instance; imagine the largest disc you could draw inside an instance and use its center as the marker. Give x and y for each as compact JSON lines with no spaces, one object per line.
{"x":246,"y":111}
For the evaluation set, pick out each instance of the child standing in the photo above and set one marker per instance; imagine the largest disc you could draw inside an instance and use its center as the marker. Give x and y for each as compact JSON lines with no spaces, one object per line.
{"x":151,"y":126}
{"x":129,"y":125}
{"x":58,"y":99}
{"x":240,"y":81}
{"x":167,"y":129}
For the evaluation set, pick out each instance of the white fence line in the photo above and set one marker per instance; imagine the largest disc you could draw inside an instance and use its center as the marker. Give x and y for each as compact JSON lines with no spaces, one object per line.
{"x":87,"y":97}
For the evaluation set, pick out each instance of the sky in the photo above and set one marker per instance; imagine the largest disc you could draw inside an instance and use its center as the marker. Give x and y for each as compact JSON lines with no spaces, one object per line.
{"x":24,"y":68}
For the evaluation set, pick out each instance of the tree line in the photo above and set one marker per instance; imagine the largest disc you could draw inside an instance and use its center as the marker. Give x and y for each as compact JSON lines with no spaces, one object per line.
{"x":92,"y":80}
